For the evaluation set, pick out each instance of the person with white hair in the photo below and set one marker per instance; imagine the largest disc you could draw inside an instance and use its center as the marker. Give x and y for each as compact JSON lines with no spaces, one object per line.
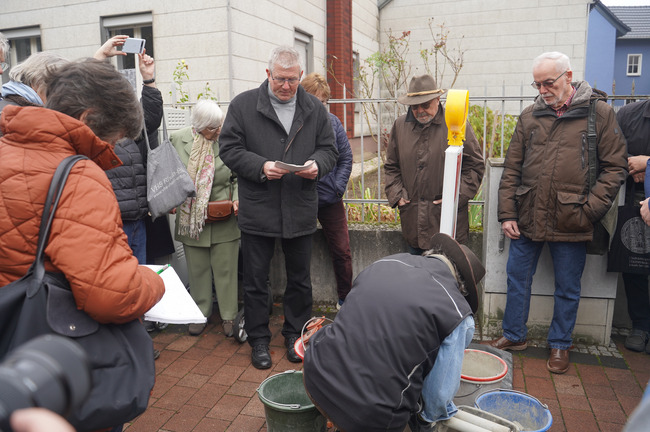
{"x":29,"y":79}
{"x":545,"y":196}
{"x":211,"y":247}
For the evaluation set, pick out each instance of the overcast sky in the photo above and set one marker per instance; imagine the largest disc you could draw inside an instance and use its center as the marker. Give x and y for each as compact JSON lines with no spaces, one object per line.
{"x":626,"y":2}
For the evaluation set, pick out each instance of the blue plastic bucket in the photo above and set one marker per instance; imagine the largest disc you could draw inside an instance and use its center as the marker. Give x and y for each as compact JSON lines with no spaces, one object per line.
{"x":517,"y":407}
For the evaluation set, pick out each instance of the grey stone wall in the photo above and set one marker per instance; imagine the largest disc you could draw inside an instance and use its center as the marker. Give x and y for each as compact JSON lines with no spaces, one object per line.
{"x":367,"y":244}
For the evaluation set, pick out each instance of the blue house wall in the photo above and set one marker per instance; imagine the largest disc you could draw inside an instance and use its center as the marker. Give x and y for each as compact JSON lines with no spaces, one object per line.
{"x":601,"y":50}
{"x":624,"y":82}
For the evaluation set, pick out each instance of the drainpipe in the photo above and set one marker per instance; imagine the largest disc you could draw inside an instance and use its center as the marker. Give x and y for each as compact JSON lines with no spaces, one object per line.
{"x":230,"y":67}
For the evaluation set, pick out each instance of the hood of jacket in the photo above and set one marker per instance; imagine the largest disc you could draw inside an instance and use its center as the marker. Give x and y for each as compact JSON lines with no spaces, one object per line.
{"x":62,"y":133}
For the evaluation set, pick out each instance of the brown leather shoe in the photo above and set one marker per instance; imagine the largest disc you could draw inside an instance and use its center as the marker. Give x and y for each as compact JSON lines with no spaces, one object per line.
{"x":558,"y":361}
{"x":504,"y":344}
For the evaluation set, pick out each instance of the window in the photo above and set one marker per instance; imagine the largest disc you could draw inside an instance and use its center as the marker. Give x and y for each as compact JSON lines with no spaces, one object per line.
{"x":304,"y":44}
{"x":139,"y":26}
{"x":633,"y":64}
{"x":23,"y":43}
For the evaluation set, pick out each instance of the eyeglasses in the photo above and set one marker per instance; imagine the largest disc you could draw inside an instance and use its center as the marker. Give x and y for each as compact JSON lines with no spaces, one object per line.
{"x":291,"y":81}
{"x":4,"y":66}
{"x":548,"y":83}
{"x":424,"y":106}
{"x":213,"y":129}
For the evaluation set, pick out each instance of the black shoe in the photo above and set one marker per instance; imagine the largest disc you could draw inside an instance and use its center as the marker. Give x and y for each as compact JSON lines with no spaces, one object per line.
{"x":636,"y":340}
{"x":291,"y":351}
{"x":260,"y":356}
{"x":418,"y":424}
{"x":150,"y":326}
{"x":156,"y":354}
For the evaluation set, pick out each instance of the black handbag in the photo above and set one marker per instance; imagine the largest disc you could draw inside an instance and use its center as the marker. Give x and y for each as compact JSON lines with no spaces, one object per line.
{"x":630,"y":248}
{"x":121,"y":356}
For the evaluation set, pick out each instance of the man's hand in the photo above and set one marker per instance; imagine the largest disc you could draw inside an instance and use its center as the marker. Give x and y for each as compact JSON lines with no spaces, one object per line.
{"x":235,"y":207}
{"x":310,"y":172}
{"x":636,"y":166}
{"x":272,"y":172}
{"x":402,"y":202}
{"x":147,"y":67}
{"x":645,"y":211}
{"x":511,"y":229}
{"x":109,"y":49}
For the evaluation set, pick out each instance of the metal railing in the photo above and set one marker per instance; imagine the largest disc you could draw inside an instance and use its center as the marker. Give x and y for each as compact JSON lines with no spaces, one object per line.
{"x":372,"y":131}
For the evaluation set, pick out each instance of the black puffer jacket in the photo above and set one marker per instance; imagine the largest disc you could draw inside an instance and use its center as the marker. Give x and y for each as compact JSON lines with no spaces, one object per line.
{"x":129,"y":181}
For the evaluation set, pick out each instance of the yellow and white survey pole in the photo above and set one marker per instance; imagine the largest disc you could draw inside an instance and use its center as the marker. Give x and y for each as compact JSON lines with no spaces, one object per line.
{"x":456,"y":119}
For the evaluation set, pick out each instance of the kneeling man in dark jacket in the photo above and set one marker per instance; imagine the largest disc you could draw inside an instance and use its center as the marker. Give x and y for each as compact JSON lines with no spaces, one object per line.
{"x":400,"y":334}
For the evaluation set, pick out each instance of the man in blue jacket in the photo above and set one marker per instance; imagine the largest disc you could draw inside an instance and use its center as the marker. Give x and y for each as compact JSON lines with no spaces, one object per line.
{"x":278,"y":121}
{"x":331,"y":187}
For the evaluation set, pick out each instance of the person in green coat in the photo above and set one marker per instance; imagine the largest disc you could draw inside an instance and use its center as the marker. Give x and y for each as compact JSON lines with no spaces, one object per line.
{"x":211,"y":248}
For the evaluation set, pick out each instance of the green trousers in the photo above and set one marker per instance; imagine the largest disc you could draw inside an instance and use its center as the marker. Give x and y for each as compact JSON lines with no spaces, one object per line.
{"x":219,"y":263}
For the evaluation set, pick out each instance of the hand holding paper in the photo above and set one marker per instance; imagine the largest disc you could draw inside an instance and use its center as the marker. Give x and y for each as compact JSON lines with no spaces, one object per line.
{"x":176,"y":305}
{"x":292,"y":167}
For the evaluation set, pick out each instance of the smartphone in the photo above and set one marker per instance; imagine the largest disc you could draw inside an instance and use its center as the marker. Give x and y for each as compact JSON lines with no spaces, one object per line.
{"x":133,"y":46}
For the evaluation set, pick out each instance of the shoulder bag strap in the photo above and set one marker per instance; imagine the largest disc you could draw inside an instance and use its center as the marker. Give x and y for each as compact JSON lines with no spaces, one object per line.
{"x":593,"y":147}
{"x":232,"y":180}
{"x":164,"y":122}
{"x":51,"y":201}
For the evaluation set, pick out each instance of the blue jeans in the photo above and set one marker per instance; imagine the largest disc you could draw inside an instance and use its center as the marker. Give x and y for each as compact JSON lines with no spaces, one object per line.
{"x":443,"y":382}
{"x":136,"y":231}
{"x":568,"y":264}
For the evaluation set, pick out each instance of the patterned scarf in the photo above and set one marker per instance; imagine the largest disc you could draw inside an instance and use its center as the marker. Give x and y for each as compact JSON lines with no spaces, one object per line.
{"x":201,"y":169}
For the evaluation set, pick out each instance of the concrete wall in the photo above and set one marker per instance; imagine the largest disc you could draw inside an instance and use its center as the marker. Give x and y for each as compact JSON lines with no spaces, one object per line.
{"x":596,"y":315}
{"x":367,"y":244}
{"x":499,"y":38}
{"x":225,"y":42}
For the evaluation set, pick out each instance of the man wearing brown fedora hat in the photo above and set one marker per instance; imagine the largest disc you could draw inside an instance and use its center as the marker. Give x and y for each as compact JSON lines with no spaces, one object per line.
{"x":399,"y":336}
{"x":415,"y":166}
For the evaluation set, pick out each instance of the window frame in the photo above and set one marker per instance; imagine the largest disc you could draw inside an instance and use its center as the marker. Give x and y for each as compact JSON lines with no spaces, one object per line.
{"x":132,"y":25}
{"x":630,"y":64}
{"x":30,"y":34}
{"x":305,"y":41}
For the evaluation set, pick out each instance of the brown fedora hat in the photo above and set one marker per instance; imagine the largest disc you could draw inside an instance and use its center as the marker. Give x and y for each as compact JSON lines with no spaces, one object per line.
{"x":468,"y":264}
{"x":422,"y":89}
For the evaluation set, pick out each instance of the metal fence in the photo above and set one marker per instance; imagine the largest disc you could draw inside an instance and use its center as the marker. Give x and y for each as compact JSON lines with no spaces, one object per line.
{"x":369,"y":204}
{"x":502,"y":107}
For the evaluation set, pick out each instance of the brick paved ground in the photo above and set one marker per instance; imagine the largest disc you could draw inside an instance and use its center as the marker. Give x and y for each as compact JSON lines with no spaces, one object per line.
{"x":207,"y":383}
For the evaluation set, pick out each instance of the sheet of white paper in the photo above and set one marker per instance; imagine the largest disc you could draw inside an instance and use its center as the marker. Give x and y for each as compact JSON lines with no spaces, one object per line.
{"x":292,"y":167}
{"x":176,"y":306}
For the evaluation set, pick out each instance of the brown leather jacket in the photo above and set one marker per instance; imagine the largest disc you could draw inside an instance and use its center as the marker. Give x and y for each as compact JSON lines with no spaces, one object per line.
{"x":415,"y":161}
{"x":545,"y":185}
